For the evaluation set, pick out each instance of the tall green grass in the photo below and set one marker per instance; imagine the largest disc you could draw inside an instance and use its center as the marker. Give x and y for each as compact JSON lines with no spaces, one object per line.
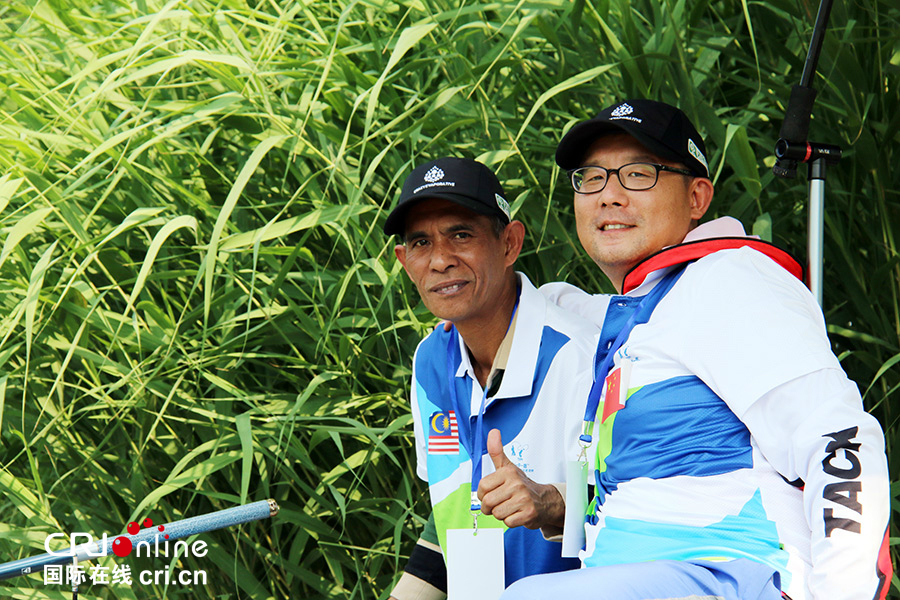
{"x":199,"y":308}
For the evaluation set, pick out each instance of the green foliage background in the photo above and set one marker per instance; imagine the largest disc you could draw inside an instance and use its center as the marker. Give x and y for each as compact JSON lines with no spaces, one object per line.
{"x":199,"y":308}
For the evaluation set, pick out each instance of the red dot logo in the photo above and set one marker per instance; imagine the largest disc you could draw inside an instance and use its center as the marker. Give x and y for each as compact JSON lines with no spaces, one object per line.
{"x":121,"y":546}
{"x":148,"y":522}
{"x":161,"y":528}
{"x":133,"y":528}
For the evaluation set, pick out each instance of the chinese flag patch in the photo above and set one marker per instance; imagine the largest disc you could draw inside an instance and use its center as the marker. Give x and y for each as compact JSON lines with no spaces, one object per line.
{"x":613,"y":401}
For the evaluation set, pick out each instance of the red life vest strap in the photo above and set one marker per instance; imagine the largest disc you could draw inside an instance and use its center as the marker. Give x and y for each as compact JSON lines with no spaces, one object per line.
{"x":689,"y":251}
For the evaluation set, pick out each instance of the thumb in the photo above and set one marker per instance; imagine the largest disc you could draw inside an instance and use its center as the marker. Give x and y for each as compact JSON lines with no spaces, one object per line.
{"x":495,"y":449}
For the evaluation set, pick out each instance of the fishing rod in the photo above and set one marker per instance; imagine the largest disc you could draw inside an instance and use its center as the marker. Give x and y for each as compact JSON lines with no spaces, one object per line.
{"x":122,"y":544}
{"x":794,"y":147}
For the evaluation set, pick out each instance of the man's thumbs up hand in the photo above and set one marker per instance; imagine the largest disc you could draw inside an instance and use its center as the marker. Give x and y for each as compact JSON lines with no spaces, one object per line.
{"x":513,"y":498}
{"x":495,"y":449}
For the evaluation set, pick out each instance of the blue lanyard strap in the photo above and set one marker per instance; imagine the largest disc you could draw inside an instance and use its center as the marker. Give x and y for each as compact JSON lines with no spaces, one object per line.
{"x":475,"y":437}
{"x":640,"y":315}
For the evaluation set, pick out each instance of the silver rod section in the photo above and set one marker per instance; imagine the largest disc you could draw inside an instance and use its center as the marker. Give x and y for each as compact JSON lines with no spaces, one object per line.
{"x":816,"y":236}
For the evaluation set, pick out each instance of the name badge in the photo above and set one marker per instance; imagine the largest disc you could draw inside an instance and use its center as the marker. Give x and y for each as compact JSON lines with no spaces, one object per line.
{"x":576,"y":507}
{"x":475,"y":566}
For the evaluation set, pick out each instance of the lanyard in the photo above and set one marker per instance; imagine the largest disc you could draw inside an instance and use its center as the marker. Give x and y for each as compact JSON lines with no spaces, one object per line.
{"x":640,"y":315}
{"x":476,"y":437}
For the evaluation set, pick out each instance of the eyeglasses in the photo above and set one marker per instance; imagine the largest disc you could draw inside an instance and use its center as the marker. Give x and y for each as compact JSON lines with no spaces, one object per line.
{"x":634,"y":176}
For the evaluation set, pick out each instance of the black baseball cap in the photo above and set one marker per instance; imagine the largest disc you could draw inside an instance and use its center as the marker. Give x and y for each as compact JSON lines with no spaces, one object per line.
{"x":661,"y":127}
{"x":464,"y":181}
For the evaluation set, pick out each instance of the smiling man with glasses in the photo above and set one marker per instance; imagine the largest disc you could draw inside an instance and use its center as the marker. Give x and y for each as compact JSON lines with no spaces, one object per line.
{"x":661,"y":188}
{"x":735,"y":460}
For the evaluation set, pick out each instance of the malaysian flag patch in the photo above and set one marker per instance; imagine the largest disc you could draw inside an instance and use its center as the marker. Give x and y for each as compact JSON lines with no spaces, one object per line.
{"x":443,"y":436}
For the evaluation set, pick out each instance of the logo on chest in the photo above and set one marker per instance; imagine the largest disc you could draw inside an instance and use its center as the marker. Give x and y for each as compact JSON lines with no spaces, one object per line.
{"x":517,"y":456}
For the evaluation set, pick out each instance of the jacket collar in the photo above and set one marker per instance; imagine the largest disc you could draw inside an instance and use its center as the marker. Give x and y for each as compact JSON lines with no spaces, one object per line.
{"x":518,"y":353}
{"x":705,"y":240}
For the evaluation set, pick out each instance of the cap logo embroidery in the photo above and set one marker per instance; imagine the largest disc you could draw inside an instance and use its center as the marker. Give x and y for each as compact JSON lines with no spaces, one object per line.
{"x":622,"y":110}
{"x":434,"y":174}
{"x":503,"y":205}
{"x":695,"y":152}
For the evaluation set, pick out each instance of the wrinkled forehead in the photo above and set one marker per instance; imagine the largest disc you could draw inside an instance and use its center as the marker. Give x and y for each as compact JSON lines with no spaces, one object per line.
{"x":429,"y":213}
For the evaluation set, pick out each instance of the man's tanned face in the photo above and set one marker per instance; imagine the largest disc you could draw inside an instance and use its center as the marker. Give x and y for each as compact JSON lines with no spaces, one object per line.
{"x":456,"y":260}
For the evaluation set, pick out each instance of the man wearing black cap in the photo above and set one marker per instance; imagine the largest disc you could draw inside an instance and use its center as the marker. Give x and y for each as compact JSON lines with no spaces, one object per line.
{"x":494,"y":396}
{"x":736,"y":460}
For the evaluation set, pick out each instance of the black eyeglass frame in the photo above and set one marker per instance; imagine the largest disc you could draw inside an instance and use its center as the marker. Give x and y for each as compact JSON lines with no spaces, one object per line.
{"x":617,"y":171}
